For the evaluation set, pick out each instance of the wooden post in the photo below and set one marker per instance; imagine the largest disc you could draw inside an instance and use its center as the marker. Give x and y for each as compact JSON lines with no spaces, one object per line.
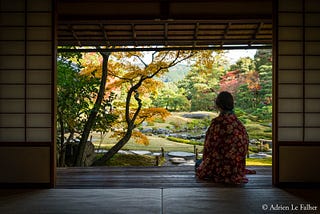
{"x":162,"y":152}
{"x":157,"y":160}
{"x":196,"y":153}
{"x":194,"y":149}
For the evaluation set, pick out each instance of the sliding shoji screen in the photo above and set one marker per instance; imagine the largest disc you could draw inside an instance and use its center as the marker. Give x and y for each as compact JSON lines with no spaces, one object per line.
{"x":297,"y":85}
{"x":27,"y":92}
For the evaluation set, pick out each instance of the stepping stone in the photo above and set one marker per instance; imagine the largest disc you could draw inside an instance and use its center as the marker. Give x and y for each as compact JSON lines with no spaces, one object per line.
{"x":177,"y":160}
{"x":141,"y":152}
{"x":181,"y":154}
{"x":260,"y":155}
{"x":188,"y":163}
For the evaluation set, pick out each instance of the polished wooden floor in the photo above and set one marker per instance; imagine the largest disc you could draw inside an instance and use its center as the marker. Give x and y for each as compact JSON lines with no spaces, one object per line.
{"x":156,"y":190}
{"x":147,"y":177}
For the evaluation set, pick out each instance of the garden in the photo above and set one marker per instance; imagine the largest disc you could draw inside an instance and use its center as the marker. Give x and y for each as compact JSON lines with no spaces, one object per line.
{"x":119,"y":104}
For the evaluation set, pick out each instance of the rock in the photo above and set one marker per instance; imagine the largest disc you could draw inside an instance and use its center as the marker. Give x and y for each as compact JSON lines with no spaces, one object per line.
{"x":260,"y":155}
{"x":196,"y":115}
{"x":181,"y":154}
{"x":188,"y":163}
{"x":89,"y":154}
{"x":177,"y":160}
{"x":142,"y":152}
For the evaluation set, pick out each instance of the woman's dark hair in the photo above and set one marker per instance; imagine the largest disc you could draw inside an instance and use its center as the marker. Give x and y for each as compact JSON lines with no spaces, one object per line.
{"x":225,"y":101}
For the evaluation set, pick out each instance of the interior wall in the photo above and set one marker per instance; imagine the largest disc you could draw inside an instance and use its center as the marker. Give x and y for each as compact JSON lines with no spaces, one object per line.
{"x":27,"y":66}
{"x":297,"y":90}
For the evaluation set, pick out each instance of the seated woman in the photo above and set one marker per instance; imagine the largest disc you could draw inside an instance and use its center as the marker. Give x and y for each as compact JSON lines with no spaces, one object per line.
{"x":225,"y":147}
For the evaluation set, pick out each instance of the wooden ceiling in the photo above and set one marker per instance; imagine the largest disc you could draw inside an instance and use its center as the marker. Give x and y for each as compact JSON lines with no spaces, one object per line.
{"x":225,"y":24}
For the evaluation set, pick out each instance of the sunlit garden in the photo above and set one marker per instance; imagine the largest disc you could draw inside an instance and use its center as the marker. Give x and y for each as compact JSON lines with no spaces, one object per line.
{"x":114,"y":102}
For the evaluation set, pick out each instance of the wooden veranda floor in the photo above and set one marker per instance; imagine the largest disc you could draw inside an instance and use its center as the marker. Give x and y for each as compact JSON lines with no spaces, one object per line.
{"x":147,"y":177}
{"x":158,"y":190}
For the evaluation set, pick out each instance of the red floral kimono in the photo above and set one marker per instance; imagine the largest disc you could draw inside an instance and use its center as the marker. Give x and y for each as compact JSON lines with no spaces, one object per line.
{"x":225,"y":149}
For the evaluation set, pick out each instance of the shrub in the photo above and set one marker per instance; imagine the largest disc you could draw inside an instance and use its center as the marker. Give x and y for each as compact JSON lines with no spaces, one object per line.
{"x":180,"y":140}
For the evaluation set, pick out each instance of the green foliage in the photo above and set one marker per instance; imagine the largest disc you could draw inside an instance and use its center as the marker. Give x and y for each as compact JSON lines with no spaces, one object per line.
{"x":201,"y":84}
{"x":132,"y":160}
{"x":185,"y":141}
{"x":171,"y":98}
{"x":244,"y":64}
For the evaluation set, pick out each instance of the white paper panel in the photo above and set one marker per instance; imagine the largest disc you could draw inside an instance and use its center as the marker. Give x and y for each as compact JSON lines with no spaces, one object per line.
{"x":290,"y":119}
{"x":312,"y":76}
{"x":290,"y":62}
{"x":39,"y":62}
{"x":11,"y":91}
{"x":39,"y":19}
{"x":39,"y":33}
{"x":312,"y":34}
{"x":11,"y":135}
{"x":39,"y":120}
{"x":312,"y":105}
{"x":312,"y":134}
{"x":12,"y":76}
{"x":39,"y":77}
{"x":12,"y":47}
{"x":12,"y":120}
{"x":312,"y":62}
{"x":12,"y":19}
{"x":290,"y":19}
{"x":290,"y":48}
{"x":290,"y":33}
{"x":12,"y":33}
{"x":12,"y":5}
{"x":39,"y":134}
{"x":295,"y":5}
{"x":312,"y":19}
{"x":290,"y":105}
{"x":312,"y":119}
{"x":38,"y":48}
{"x":12,"y":62}
{"x":312,"y":5}
{"x":39,"y":106}
{"x":290,"y":76}
{"x":39,"y":91}
{"x":312,"y":91}
{"x":290,"y":91}
{"x":12,"y":106}
{"x":39,"y":5}
{"x":290,"y":134}
{"x":312,"y":48}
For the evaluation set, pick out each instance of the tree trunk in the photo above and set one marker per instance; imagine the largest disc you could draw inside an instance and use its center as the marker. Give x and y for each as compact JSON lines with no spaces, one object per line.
{"x":107,"y":156}
{"x":93,"y":114}
{"x":130,"y":123}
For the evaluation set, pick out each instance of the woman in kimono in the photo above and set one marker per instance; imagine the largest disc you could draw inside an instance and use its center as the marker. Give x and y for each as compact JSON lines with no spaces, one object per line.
{"x":225,"y":147}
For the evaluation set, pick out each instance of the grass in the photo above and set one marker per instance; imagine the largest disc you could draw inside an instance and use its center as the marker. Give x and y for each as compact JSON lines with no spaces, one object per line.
{"x":259,"y":162}
{"x":133,"y":160}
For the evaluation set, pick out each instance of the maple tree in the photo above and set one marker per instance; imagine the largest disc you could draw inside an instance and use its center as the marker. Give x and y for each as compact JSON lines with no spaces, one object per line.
{"x":135,"y":74}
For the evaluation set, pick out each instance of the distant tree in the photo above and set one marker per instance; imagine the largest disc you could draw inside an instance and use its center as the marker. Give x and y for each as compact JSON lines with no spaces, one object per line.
{"x":244,"y":64}
{"x":171,"y":98}
{"x":201,"y":83}
{"x":263,"y":57}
